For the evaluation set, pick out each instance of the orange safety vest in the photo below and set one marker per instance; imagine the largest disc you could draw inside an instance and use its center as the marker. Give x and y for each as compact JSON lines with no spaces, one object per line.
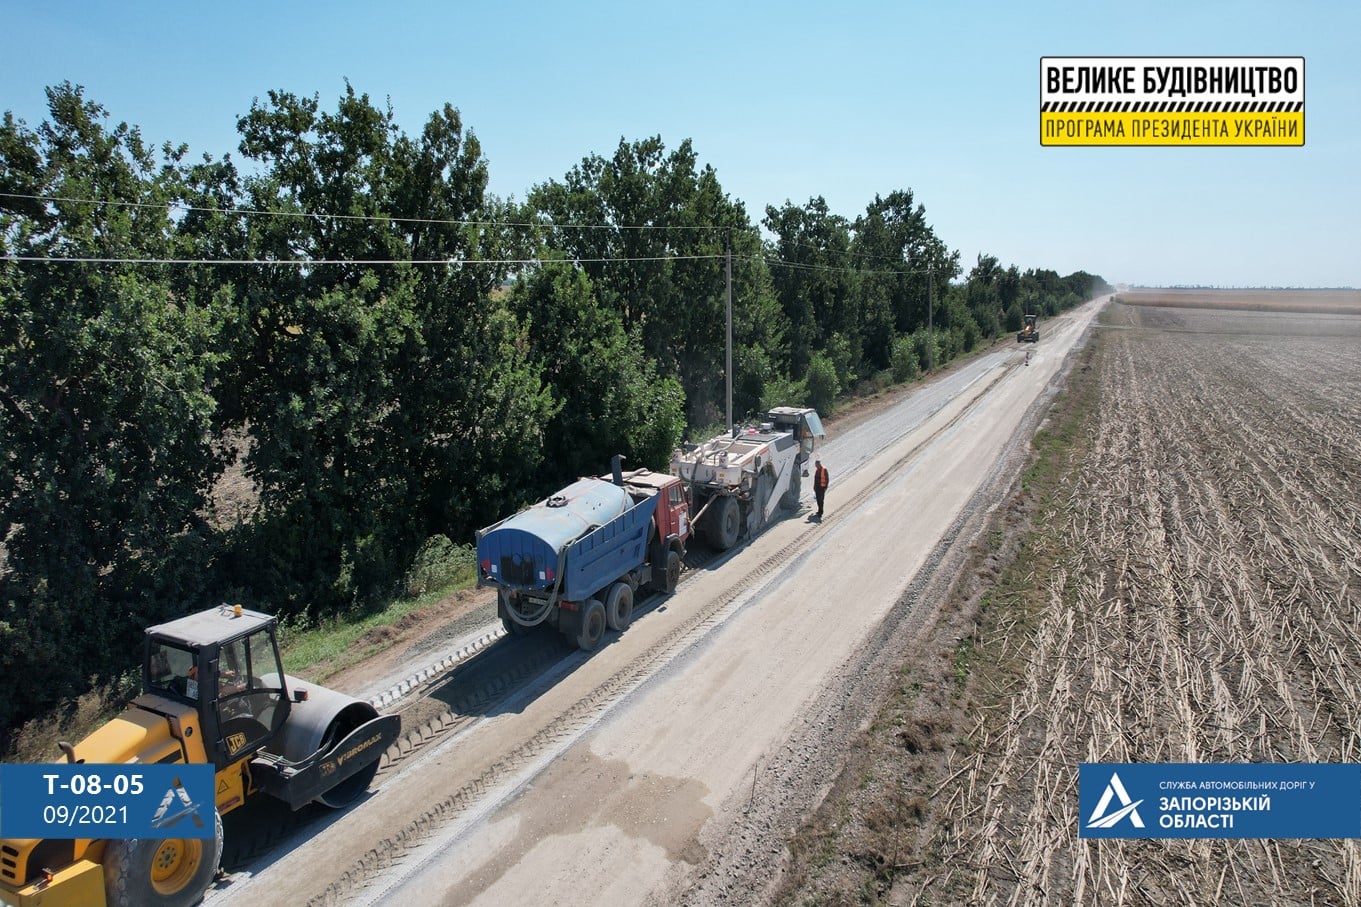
{"x":820,"y":478}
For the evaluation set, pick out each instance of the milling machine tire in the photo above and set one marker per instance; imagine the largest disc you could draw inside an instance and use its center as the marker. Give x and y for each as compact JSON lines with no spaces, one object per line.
{"x":765,"y":483}
{"x":790,"y":499}
{"x":619,"y":607}
{"x":150,"y":872}
{"x":592,"y":625}
{"x":724,"y":524}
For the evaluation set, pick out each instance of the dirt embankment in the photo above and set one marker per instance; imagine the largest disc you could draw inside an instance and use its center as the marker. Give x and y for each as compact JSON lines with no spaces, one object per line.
{"x":1186,"y":591}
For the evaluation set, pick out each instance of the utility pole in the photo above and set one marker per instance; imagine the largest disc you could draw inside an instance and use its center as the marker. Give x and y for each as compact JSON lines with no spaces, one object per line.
{"x":930,"y":328}
{"x":727,"y":371}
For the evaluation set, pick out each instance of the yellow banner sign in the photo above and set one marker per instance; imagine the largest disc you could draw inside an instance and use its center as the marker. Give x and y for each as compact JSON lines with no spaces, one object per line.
{"x":1212,"y":101}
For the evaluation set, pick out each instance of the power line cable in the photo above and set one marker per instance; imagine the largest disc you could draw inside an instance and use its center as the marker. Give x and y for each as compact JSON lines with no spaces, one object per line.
{"x":314,"y":262}
{"x":800,"y":266}
{"x":849,"y":253}
{"x":375,"y":262}
{"x":451,"y":222}
{"x":257,"y":212}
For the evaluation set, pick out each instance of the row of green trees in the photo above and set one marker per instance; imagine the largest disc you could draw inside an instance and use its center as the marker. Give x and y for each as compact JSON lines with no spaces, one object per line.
{"x":352,"y":326}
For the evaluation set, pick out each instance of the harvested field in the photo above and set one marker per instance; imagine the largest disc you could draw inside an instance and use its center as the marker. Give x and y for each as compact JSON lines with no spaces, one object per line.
{"x":1319,"y":301}
{"x":1192,"y":593}
{"x":1207,"y":610}
{"x":1264,"y":322}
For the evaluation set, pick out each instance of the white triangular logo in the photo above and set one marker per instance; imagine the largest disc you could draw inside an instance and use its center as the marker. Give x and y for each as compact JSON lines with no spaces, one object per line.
{"x":1115,"y":790}
{"x":166,"y":819}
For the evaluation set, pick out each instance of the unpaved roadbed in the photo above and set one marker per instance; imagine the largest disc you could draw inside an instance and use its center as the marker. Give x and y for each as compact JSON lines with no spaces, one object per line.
{"x":673,"y":763}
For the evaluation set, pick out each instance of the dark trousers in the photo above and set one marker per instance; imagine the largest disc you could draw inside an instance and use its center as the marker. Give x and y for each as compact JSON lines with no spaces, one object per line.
{"x":819,"y":493}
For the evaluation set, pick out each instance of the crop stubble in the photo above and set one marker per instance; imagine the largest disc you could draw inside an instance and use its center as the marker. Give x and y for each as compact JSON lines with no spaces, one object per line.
{"x":1206,"y":609}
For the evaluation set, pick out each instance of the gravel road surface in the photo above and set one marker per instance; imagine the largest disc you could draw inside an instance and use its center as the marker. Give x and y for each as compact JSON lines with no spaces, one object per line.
{"x":671,"y":764}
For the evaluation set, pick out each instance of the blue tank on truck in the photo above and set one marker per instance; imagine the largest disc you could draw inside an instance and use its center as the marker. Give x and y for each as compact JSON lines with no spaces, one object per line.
{"x":575,"y":559}
{"x":588,"y":534}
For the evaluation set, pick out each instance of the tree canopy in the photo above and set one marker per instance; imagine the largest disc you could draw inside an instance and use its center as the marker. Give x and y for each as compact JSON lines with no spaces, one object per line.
{"x":331,"y":320}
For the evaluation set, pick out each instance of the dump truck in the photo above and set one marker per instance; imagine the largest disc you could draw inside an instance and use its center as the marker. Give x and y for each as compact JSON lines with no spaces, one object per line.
{"x":1030,"y":333}
{"x":736,"y":481}
{"x":576,"y":560}
{"x":214,"y":692}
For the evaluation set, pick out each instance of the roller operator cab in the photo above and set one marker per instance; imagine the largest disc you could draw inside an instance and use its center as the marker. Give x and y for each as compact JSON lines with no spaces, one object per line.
{"x":224,"y":663}
{"x":214,"y":692}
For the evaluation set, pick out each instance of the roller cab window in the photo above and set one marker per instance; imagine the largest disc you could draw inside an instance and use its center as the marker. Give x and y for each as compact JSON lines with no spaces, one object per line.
{"x":172,"y":670}
{"x":249,"y":693}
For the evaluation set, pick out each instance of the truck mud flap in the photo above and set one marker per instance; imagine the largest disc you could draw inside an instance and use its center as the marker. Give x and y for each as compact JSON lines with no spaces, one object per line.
{"x":299,"y":783}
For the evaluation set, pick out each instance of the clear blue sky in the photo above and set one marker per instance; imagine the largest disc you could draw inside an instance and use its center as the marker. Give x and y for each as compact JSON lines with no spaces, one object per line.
{"x":786,"y":100}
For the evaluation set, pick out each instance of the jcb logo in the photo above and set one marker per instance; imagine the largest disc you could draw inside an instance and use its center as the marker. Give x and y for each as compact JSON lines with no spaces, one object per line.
{"x":234,"y":743}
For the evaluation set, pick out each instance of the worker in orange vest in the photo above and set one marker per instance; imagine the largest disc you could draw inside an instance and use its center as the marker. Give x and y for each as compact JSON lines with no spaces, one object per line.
{"x":819,"y":484}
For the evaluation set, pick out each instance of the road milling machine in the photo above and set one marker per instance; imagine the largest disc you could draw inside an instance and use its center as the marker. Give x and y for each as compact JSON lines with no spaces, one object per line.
{"x":736,"y":481}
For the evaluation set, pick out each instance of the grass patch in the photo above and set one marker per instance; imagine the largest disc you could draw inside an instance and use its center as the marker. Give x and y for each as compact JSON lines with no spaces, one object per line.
{"x":964,"y":657}
{"x":1064,"y":433}
{"x":1011,"y":608}
{"x":329,"y":647}
{"x":326,"y":649}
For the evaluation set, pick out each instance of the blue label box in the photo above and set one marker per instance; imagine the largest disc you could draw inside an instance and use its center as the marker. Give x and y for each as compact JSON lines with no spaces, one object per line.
{"x":64,"y":800}
{"x":1219,"y":800}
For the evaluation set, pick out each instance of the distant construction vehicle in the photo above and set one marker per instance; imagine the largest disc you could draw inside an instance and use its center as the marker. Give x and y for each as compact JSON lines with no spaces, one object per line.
{"x":1030,"y":333}
{"x":737,"y":481}
{"x":215,"y":693}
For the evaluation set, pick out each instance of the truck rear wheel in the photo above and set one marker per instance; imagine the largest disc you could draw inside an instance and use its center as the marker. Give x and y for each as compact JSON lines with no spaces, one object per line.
{"x":173,"y":872}
{"x":673,"y":569}
{"x":619,"y":607}
{"x":514,"y":628}
{"x":503,"y":606}
{"x":592,"y":625}
{"x":724,"y":523}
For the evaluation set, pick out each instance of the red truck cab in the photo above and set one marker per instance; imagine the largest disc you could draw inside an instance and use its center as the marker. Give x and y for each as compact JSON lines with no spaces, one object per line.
{"x":671,"y":524}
